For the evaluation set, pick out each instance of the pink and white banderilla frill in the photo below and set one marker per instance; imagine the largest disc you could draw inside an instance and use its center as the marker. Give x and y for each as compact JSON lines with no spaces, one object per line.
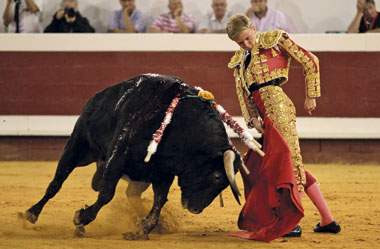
{"x":157,"y":136}
{"x":244,"y":135}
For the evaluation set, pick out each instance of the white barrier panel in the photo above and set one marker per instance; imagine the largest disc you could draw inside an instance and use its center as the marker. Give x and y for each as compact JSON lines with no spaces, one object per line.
{"x":174,"y":42}
{"x":308,"y":127}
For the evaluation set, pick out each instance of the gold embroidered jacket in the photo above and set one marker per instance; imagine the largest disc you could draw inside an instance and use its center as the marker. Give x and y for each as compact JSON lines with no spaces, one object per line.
{"x":270,"y":59}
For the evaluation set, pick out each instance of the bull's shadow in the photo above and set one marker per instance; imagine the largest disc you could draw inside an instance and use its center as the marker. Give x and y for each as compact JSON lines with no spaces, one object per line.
{"x":115,"y":130}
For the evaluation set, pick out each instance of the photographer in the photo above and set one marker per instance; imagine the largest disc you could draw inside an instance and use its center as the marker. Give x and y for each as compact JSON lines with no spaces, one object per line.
{"x":23,"y":16}
{"x":69,"y":20}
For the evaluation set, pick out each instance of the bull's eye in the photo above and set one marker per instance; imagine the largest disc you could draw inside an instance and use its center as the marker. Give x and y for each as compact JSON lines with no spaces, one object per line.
{"x":217,"y":177}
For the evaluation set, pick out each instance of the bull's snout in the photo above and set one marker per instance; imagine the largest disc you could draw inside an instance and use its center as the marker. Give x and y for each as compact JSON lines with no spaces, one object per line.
{"x":194,"y":210}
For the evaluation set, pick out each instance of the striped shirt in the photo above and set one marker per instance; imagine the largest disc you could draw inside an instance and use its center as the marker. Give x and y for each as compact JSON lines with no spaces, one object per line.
{"x":165,"y":22}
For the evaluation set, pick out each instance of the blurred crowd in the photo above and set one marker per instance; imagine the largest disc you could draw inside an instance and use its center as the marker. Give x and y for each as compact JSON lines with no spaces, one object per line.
{"x":25,"y":16}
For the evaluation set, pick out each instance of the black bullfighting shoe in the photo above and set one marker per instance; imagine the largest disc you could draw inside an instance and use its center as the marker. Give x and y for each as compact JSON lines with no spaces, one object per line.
{"x":295,"y":232}
{"x":333,"y":227}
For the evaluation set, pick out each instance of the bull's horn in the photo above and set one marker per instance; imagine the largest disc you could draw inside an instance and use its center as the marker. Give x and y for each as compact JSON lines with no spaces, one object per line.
{"x":229,"y":158}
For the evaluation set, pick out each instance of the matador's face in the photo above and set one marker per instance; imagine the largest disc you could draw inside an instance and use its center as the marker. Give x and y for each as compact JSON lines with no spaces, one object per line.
{"x":247,"y":39}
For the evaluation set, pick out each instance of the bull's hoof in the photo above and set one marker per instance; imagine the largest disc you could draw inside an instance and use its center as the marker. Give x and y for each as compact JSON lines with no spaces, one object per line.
{"x":80,"y":231}
{"x":83,"y":216}
{"x":76,"y":219}
{"x":28,"y":216}
{"x":146,"y":225}
{"x":135,"y":236}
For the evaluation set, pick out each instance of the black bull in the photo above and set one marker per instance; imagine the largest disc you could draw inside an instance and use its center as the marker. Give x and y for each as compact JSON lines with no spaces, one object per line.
{"x":115,"y":129}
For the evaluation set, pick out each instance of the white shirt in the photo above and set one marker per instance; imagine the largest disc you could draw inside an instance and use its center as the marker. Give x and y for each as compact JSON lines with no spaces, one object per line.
{"x":28,"y":22}
{"x":210,"y":22}
{"x":273,"y":19}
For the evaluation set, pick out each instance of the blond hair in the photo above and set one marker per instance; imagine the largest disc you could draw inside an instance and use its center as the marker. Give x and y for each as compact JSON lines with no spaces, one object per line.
{"x":237,"y":24}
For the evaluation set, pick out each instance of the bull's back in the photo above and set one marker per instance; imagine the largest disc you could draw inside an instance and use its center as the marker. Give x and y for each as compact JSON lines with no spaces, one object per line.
{"x":134,"y":107}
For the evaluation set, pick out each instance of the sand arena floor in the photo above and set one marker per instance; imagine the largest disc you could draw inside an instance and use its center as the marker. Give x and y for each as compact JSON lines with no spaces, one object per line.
{"x":352,"y":192}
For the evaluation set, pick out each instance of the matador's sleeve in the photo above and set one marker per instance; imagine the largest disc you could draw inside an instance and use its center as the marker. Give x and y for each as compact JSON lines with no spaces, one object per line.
{"x":247,"y":105}
{"x":309,"y":62}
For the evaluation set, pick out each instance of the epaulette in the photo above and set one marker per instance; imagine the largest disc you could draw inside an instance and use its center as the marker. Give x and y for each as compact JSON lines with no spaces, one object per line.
{"x":270,"y":39}
{"x":236,"y":59}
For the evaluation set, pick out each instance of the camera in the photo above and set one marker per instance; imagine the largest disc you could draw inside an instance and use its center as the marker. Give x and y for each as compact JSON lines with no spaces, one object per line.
{"x":70,"y":12}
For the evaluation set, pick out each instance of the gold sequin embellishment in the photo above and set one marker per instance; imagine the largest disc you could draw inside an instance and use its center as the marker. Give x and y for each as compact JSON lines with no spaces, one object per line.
{"x":281,"y":110}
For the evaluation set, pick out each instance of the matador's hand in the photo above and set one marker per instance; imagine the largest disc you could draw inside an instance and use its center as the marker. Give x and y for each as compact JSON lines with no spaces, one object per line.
{"x":258,"y":124}
{"x":310,"y":104}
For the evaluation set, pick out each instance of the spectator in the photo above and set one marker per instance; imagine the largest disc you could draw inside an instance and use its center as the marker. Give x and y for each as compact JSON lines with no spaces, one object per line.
{"x":216,"y":21}
{"x":23,"y":16}
{"x":69,"y":20}
{"x":367,"y":19}
{"x":265,"y":18}
{"x":128,"y":19}
{"x":175,"y":21}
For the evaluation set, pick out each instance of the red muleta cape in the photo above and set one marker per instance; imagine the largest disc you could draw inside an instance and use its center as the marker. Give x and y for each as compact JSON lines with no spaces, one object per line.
{"x":273,"y":204}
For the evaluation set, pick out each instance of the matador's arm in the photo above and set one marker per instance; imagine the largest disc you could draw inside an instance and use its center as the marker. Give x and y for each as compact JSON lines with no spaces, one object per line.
{"x":309,"y":62}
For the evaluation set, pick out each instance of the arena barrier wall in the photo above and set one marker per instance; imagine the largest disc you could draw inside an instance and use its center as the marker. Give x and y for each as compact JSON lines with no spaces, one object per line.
{"x":46,"y":79}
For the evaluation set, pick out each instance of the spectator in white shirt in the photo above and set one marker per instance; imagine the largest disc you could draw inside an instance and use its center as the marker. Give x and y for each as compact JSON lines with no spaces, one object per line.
{"x":265,"y":18}
{"x":23,"y":16}
{"x":216,"y":21}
